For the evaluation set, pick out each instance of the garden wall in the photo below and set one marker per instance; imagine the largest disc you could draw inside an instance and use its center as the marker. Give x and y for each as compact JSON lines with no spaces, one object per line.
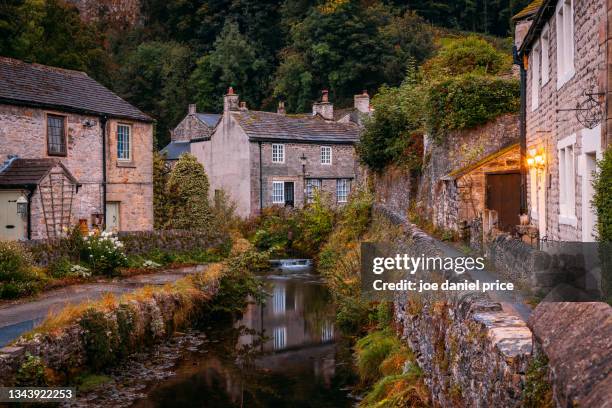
{"x":135,"y":243}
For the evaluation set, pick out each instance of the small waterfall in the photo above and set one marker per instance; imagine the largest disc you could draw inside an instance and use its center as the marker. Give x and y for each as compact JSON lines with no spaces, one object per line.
{"x":292,"y":265}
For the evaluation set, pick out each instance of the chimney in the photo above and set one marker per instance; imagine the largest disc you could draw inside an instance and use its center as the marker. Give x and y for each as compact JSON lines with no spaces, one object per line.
{"x":243,"y":106}
{"x":324,"y":108}
{"x":362,"y":102}
{"x":192,"y":109}
{"x":281,"y":108}
{"x":230,"y":100}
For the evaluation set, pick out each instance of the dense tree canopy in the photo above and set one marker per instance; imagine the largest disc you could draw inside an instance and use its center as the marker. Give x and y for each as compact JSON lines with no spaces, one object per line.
{"x":181,"y":52}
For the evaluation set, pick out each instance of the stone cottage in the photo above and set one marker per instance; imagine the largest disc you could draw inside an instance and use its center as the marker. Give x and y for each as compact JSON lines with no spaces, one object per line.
{"x":263,"y":159}
{"x":75,"y":153}
{"x":562,"y":48}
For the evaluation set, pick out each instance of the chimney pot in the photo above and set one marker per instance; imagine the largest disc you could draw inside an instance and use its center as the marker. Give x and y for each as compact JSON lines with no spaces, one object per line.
{"x":231,"y":100}
{"x":362,"y":102}
{"x":325,"y":95}
{"x":192,"y":108}
{"x":230,"y":90}
{"x":324,"y":108}
{"x":281,"y":108}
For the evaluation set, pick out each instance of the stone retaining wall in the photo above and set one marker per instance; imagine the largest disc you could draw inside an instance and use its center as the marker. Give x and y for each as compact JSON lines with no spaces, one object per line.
{"x":135,"y":243}
{"x":473,"y":353}
{"x":63,"y":350}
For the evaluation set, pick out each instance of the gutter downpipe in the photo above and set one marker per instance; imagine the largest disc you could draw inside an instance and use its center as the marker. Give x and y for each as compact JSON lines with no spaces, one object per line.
{"x":29,"y":221}
{"x":522,"y":128}
{"x":103,"y":122}
{"x":260,"y":181}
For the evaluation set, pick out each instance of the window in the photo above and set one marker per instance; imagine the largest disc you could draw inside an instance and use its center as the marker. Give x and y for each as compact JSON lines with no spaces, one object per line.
{"x":279,"y":336}
{"x":123,"y":142}
{"x":567,"y":195}
{"x":342,"y":190}
{"x":56,"y":135}
{"x":326,"y":155}
{"x":278,"y":192}
{"x":278,"y":153}
{"x":534,"y":60}
{"x":312,"y":185}
{"x":565,"y":41}
{"x":545,"y":50}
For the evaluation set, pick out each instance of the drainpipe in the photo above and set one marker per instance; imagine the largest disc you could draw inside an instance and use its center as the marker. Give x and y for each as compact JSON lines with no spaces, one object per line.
{"x":103,"y":121}
{"x":260,"y":181}
{"x":29,"y":221}
{"x":522,"y":129}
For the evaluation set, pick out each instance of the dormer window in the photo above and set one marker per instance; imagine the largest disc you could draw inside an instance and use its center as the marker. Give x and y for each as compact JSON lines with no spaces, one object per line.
{"x":278,"y":153}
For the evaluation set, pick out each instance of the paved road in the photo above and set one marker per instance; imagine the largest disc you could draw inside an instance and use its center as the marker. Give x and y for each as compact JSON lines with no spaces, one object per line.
{"x":20,"y":317}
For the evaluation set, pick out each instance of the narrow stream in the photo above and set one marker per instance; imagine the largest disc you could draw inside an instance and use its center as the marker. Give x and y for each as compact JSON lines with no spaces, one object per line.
{"x":285,"y":353}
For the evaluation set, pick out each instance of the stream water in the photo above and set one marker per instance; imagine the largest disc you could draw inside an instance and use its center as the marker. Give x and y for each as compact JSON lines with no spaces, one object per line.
{"x":284,"y":353}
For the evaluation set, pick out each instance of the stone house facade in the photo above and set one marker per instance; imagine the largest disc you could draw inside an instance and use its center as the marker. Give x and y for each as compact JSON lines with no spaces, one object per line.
{"x":75,"y":153}
{"x":263,"y":159}
{"x":562,"y":45}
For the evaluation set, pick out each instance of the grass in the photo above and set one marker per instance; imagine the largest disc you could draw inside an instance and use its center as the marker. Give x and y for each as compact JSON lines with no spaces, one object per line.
{"x":87,"y":382}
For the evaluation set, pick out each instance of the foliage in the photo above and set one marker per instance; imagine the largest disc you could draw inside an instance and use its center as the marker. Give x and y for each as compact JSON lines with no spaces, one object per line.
{"x":275,"y":229}
{"x":103,"y":253}
{"x":234,"y":61}
{"x":100,"y":339}
{"x":316,"y":221}
{"x":161,"y":173}
{"x":87,"y":382}
{"x":31,"y":373}
{"x":537,"y":391}
{"x":394,"y":132}
{"x":18,"y":277}
{"x":187,"y":195}
{"x":467,"y":101}
{"x":371,"y":351}
{"x":602,"y":200}
{"x":464,"y":55}
{"x":152,"y":76}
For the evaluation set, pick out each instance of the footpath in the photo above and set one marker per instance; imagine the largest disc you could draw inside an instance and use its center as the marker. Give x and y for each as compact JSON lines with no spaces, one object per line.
{"x":20,"y":317}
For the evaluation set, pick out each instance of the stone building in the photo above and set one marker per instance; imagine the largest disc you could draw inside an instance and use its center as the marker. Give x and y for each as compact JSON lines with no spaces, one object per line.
{"x":562,"y":47}
{"x":75,"y":153}
{"x":261,"y":159}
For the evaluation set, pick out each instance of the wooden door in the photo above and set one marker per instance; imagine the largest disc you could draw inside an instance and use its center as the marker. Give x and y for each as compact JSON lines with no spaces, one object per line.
{"x":12,"y":225}
{"x":112,"y":216}
{"x":503,"y":196}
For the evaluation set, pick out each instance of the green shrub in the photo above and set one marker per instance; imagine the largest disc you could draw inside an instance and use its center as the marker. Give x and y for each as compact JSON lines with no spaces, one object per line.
{"x":466,"y":101}
{"x":316,"y":222}
{"x":60,"y":268}
{"x":31,"y":373}
{"x":103,"y":253}
{"x":537,"y":392}
{"x":275,"y":229}
{"x":100,"y":339}
{"x":372,"y":350}
{"x":602,"y":200}
{"x":126,"y":324}
{"x":15,"y":262}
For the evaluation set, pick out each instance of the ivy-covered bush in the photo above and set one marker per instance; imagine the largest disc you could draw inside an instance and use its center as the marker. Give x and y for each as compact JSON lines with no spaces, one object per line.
{"x":602,"y":201}
{"x":100,"y":338}
{"x":104,"y":253}
{"x":17,"y":274}
{"x":316,"y":222}
{"x":467,"y":101}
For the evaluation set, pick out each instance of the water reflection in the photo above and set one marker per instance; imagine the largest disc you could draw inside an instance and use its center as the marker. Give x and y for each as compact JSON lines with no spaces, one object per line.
{"x":282,"y":353}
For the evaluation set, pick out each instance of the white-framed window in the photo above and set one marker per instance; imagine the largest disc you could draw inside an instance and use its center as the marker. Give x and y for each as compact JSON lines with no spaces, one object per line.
{"x":567,"y":181}
{"x":278,"y":192}
{"x":564,"y":18}
{"x":279,"y":336}
{"x":312,"y":185}
{"x":278,"y":153}
{"x":534,"y":60}
{"x":343,"y":188}
{"x":545,"y":55}
{"x":326,"y":155}
{"x":124,"y":142}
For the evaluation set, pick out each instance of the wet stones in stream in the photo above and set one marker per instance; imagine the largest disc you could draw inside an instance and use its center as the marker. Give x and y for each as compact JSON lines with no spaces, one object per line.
{"x":129,"y":380}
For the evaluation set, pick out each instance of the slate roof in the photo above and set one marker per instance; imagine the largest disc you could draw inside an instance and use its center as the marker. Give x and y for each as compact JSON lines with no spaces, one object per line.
{"x":38,"y":85}
{"x":174,"y":149}
{"x":26,"y":172}
{"x":528,"y":11}
{"x":209,"y":119}
{"x":268,"y":126}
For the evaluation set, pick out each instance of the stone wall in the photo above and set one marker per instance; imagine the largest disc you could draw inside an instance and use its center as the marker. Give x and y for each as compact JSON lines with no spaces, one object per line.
{"x":64,"y":350}
{"x":438,"y":196}
{"x":393,"y":187}
{"x":135,"y":243}
{"x":190,"y":128}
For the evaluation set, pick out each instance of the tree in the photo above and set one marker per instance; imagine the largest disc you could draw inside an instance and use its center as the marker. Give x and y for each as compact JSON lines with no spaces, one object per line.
{"x":233,"y":62}
{"x":602,"y":201}
{"x":187,"y":195}
{"x":161,"y":173}
{"x":153,"y":78}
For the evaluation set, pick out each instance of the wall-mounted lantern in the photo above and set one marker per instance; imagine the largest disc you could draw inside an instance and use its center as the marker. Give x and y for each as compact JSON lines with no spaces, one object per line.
{"x":22,"y":206}
{"x":536,"y":159}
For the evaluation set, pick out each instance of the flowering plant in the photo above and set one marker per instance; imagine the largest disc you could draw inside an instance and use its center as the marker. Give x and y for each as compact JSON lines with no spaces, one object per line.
{"x":148,"y":264}
{"x":104,"y":253}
